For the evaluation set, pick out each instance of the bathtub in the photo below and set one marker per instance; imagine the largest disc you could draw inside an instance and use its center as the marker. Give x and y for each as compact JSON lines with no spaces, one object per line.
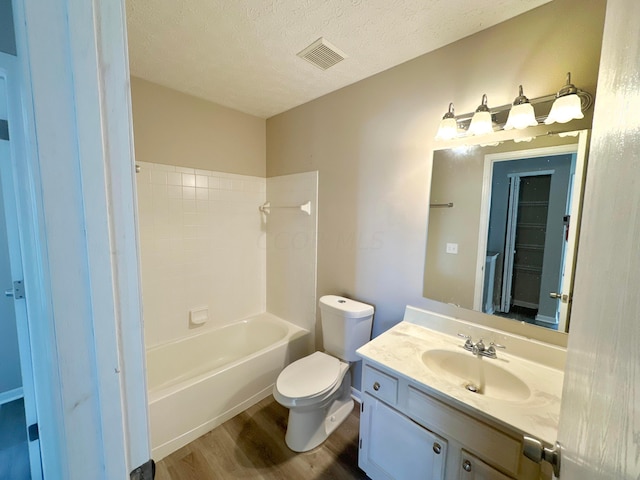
{"x":197,"y":383}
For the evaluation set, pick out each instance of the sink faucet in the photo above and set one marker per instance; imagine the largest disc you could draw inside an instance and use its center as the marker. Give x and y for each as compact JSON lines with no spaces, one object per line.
{"x":479,"y":348}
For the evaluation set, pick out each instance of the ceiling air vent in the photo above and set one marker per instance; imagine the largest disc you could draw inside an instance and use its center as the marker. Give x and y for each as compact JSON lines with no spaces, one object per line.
{"x":322,"y":54}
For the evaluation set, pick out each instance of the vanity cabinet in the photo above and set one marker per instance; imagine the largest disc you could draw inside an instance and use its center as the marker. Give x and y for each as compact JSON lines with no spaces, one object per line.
{"x":407,"y":433}
{"x":394,"y":447}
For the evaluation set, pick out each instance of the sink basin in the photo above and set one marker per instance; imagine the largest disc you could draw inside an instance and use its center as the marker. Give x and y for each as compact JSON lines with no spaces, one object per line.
{"x":478,"y":375}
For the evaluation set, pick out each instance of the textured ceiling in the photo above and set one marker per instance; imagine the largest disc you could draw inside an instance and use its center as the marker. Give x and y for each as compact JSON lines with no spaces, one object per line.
{"x":242,"y":53}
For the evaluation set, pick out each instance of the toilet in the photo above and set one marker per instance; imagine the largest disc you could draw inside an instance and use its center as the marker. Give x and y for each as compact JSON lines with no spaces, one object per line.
{"x":317,"y":388}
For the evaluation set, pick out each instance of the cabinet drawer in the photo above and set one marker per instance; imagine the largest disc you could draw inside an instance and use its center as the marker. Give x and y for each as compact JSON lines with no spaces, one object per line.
{"x":380,"y":385}
{"x":472,"y":468}
{"x":492,"y":445}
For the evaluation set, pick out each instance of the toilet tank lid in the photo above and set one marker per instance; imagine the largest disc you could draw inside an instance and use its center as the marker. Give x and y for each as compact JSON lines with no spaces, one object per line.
{"x":345,"y":306}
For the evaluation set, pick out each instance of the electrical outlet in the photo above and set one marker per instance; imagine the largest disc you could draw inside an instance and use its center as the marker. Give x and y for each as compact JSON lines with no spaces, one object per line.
{"x":452,"y":248}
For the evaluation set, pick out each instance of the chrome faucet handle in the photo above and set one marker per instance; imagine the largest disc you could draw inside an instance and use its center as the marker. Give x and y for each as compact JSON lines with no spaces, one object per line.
{"x":491,"y":351}
{"x":468,"y":344}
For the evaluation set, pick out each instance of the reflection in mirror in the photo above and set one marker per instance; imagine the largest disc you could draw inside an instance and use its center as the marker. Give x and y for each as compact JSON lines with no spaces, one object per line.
{"x":503,"y":228}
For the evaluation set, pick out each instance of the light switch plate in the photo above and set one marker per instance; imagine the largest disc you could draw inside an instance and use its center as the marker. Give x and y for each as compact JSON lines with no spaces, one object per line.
{"x":452,"y":248}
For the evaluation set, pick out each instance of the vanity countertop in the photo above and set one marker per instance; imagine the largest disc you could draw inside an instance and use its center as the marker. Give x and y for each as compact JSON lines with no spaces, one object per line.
{"x":401,"y":348}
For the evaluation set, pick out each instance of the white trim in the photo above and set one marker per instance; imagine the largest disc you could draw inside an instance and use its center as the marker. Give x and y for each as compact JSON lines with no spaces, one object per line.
{"x":485,"y":203}
{"x":81,"y":271}
{"x":11,"y":395}
{"x":546,"y":319}
{"x":533,"y":173}
{"x":14,"y":148}
{"x":509,"y":244}
{"x":356,"y":394}
{"x":570,"y":256}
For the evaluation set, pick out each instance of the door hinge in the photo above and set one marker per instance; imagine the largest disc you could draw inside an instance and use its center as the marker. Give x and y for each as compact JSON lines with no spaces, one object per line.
{"x":534,"y":450}
{"x":34,"y":432}
{"x":17,"y":292}
{"x":362,"y":407}
{"x":146,"y":471}
{"x":360,"y":444}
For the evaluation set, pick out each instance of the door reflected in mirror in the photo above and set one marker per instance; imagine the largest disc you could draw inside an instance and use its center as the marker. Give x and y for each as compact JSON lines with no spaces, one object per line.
{"x":503,"y":228}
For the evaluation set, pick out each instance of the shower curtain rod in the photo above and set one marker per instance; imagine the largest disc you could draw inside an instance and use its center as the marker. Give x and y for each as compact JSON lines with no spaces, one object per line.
{"x":266,"y":207}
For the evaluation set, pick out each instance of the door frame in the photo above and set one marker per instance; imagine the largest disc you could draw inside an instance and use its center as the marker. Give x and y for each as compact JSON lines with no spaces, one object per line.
{"x":19,"y":305}
{"x":76,"y":200}
{"x":9,"y":70}
{"x":580,"y":149}
{"x":510,"y":242}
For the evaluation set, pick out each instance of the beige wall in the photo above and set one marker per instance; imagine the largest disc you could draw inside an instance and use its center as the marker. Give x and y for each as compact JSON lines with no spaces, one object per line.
{"x":456,"y":178}
{"x":173,"y":128}
{"x":372,"y":144}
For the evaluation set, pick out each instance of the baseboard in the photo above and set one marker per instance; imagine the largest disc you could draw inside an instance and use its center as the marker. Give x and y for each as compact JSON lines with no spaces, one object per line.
{"x":546,"y":319}
{"x":520,"y":303}
{"x":356,"y":395}
{"x":161,"y":451}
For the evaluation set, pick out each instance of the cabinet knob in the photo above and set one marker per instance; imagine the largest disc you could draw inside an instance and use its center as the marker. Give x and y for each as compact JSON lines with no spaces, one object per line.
{"x":466,"y":466}
{"x":437,"y":448}
{"x":376,"y":386}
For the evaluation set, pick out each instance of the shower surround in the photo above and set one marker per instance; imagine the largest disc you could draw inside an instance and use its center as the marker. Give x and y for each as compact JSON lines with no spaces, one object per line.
{"x":208,"y":254}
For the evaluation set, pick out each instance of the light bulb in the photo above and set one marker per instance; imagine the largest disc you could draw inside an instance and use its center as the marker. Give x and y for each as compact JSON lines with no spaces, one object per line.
{"x":448,"y":128}
{"x":521,"y":114}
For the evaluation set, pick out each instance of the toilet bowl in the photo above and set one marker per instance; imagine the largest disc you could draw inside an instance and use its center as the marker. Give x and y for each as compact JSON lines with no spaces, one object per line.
{"x":317,"y":391}
{"x":317,"y":388}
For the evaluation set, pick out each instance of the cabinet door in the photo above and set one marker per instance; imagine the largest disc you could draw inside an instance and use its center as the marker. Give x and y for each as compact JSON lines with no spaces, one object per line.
{"x":394,"y":447}
{"x":472,"y":468}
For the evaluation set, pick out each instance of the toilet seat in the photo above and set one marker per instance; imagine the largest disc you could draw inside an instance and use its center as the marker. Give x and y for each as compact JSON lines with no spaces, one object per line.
{"x":309,"y":377}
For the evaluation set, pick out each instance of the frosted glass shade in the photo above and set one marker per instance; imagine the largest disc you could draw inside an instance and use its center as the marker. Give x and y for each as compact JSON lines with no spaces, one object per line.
{"x":521,"y":116}
{"x":565,"y":109}
{"x":481,"y":124}
{"x":448,"y":129}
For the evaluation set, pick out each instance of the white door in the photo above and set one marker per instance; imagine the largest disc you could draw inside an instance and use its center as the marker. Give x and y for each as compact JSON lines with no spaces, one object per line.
{"x":18,"y":410}
{"x":600,"y":414}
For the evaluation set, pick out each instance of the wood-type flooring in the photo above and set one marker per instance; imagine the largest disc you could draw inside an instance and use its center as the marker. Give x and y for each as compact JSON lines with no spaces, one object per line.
{"x":251,"y":446}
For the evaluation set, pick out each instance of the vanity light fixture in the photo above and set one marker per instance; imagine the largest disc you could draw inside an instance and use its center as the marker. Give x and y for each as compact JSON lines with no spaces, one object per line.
{"x":448,"y":126}
{"x":567,"y":105}
{"x":562,"y":107}
{"x":481,"y":122}
{"x":521,"y":114}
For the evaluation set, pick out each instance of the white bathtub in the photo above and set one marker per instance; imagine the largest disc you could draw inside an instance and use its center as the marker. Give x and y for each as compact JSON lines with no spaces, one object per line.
{"x":199,"y":382}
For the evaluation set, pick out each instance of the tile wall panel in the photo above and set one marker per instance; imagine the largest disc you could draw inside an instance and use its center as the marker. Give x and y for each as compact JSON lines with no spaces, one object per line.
{"x":202,"y":245}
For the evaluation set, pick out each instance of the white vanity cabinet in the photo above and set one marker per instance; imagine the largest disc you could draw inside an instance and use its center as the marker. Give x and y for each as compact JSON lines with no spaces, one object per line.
{"x":406,"y":433}
{"x":393,"y":447}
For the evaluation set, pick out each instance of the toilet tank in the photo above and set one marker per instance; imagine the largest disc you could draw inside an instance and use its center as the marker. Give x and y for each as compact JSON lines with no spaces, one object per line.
{"x":346,"y":326}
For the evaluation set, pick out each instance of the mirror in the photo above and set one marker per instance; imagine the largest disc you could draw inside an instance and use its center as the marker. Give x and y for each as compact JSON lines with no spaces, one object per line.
{"x":503,"y":227}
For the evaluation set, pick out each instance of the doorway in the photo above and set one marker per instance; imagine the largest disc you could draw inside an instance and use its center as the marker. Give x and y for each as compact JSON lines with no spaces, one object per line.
{"x":529,"y":207}
{"x":527,"y":216}
{"x":19,"y":438}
